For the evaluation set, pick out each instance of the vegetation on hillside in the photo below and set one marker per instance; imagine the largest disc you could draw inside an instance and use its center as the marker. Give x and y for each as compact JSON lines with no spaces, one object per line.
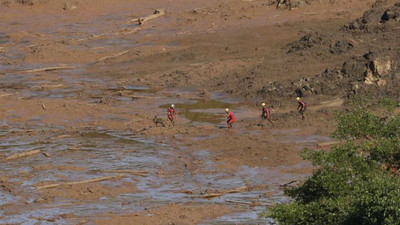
{"x":356,"y":182}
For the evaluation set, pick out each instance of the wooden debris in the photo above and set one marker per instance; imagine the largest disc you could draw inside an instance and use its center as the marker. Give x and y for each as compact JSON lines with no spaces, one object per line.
{"x":49,"y":69}
{"x":213,"y":195}
{"x":132,"y":172}
{"x":112,"y":56}
{"x":239,"y":202}
{"x":22,"y":154}
{"x":94,"y":37}
{"x":157,"y":13}
{"x":293,"y":182}
{"x":326,"y":144}
{"x":81,"y":182}
{"x":46,"y":154}
{"x":4,"y":185}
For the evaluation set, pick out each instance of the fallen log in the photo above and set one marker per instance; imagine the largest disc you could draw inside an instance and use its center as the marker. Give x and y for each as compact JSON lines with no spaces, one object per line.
{"x":112,"y":56}
{"x":327,"y":143}
{"x":213,"y":195}
{"x":46,"y":154}
{"x":132,"y":172}
{"x":157,"y":13}
{"x":289,"y":183}
{"x":49,"y":69}
{"x":81,"y":182}
{"x":22,"y":154}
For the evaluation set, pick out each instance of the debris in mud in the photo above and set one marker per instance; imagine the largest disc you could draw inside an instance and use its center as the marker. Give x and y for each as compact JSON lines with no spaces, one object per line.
{"x":292,"y":4}
{"x":157,"y":13}
{"x":142,"y":173}
{"x":105,"y":100}
{"x":290,"y":184}
{"x":308,"y":41}
{"x":204,"y":93}
{"x":321,"y":43}
{"x":340,"y":47}
{"x":98,"y":179}
{"x":49,"y":69}
{"x":22,"y":154}
{"x":24,"y":2}
{"x":112,"y":56}
{"x":377,"y":20}
{"x":208,"y":195}
{"x":69,"y":6}
{"x":5,"y":185}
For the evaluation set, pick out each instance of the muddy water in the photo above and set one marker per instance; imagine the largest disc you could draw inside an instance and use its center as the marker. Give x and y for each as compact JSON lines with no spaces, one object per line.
{"x":100,"y":151}
{"x":204,"y":110}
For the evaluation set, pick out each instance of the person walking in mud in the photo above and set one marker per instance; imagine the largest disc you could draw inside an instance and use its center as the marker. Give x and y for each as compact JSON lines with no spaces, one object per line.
{"x":171,"y":114}
{"x":230,"y":119}
{"x":265,"y":114}
{"x":301,"y":108}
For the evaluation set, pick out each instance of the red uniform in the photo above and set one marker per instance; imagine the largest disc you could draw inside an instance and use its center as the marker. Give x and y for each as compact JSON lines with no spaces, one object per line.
{"x":265,"y":113}
{"x":171,"y":114}
{"x":230,"y":119}
{"x":302,"y":108}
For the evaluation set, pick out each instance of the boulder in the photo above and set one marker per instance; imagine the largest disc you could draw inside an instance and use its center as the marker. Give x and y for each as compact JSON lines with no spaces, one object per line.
{"x":381,"y":66}
{"x":381,"y":82}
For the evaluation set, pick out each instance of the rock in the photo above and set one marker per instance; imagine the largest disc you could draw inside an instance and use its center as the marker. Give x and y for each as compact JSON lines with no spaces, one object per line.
{"x":381,"y":83}
{"x":369,"y":77}
{"x":69,"y":6}
{"x":391,"y":14}
{"x":204,"y":93}
{"x":354,"y":68}
{"x":381,"y":66}
{"x":340,"y":47}
{"x":24,"y":2}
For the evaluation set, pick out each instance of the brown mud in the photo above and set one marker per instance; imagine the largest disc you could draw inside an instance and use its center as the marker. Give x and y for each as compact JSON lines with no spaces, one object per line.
{"x":81,"y":81}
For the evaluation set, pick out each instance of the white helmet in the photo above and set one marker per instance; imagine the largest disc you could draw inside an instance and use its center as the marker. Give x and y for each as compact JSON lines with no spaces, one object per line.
{"x":263,"y":104}
{"x":297,"y":98}
{"x":226,"y":110}
{"x":173,"y":106}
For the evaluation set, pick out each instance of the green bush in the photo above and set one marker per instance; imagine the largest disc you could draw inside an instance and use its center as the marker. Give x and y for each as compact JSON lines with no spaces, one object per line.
{"x":356,"y":182}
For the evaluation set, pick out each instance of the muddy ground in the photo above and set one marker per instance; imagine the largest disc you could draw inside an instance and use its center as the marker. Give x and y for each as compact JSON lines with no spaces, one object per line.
{"x":82,"y":80}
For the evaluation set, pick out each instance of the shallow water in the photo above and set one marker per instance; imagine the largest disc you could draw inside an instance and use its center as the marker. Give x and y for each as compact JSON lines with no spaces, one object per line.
{"x":204,"y":110}
{"x":99,"y":151}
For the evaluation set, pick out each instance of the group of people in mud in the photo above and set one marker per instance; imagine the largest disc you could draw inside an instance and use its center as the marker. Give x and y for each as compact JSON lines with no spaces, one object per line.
{"x":230,"y":119}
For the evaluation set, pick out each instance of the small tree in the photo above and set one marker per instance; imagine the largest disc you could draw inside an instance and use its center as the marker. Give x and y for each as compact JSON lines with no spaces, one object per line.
{"x":356,"y":182}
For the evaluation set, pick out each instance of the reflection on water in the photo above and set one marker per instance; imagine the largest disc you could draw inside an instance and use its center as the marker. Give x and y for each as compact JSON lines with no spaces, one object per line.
{"x":203,"y":110}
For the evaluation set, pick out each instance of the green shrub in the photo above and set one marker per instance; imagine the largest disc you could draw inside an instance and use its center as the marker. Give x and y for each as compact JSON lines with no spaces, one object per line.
{"x":356,"y":182}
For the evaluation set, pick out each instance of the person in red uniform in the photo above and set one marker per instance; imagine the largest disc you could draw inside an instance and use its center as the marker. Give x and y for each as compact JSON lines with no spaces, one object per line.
{"x":171,"y":114}
{"x":301,"y":108}
{"x":230,"y":118}
{"x":265,"y":114}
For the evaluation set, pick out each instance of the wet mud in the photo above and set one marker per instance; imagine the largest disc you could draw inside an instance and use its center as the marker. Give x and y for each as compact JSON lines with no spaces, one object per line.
{"x":82,"y":81}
